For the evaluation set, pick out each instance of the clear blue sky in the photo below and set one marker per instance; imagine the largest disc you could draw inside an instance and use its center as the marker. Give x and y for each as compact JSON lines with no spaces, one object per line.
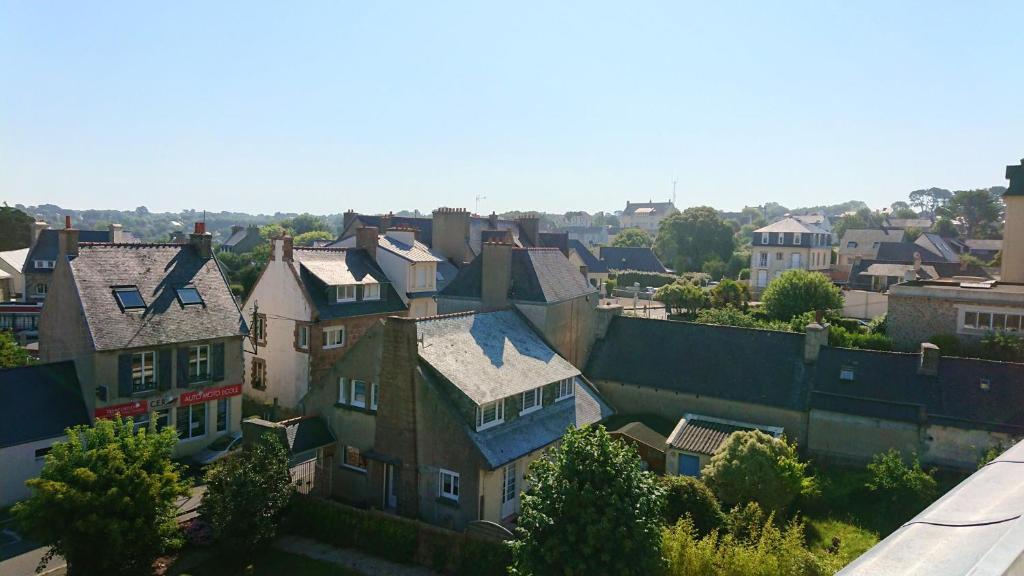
{"x":382,"y":106}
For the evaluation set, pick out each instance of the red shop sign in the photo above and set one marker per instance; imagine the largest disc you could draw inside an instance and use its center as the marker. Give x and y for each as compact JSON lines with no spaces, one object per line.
{"x":128,"y":409}
{"x":200,"y":396}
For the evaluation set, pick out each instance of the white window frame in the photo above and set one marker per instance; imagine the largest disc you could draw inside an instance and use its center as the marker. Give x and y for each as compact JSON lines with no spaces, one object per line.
{"x":188,"y":411}
{"x":499,"y":415}
{"x":374,"y":393}
{"x":453,"y":481}
{"x":41,"y":289}
{"x":344,"y":459}
{"x":537,"y":396}
{"x":796,"y":238}
{"x":341,"y":293}
{"x":762,"y":278}
{"x":566,"y":389}
{"x":990,"y":312}
{"x":782,"y":238}
{"x":147,"y":372}
{"x":48,"y":264}
{"x":260,"y":367}
{"x":199,"y":356}
{"x":509,"y":479}
{"x":328,"y":344}
{"x":765,"y":238}
{"x":851,"y":244}
{"x":762,"y":259}
{"x":352,"y":394}
{"x":227,"y":414}
{"x":368,"y":295}
{"x":302,"y":337}
{"x":342,"y":390}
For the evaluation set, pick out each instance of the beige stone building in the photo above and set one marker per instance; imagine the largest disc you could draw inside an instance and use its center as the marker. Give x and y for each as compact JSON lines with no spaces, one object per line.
{"x":646,"y":216}
{"x":785,"y":245}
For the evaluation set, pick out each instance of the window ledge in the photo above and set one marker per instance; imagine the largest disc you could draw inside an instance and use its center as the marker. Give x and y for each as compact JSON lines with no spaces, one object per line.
{"x":333,"y":346}
{"x":351,"y":468}
{"x":490,"y":425}
{"x":530,"y":410}
{"x":352,"y":408}
{"x":449,"y":502}
{"x":569,"y":397}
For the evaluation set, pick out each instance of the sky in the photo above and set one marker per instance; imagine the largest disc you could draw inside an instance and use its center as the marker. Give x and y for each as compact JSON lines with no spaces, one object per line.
{"x":376,"y":106}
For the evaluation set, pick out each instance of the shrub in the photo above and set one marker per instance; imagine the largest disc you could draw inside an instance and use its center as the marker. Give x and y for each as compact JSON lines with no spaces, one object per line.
{"x":730,"y":316}
{"x":686,"y":496}
{"x":949,"y":345}
{"x":682,"y":296}
{"x":797,"y":291}
{"x":1003,"y":347}
{"x":842,"y":338}
{"x":745,"y":521}
{"x":902,"y":490}
{"x":391,"y":538}
{"x":755,"y":467}
{"x":627,"y":278}
{"x":879,"y":325}
{"x":991,"y":454}
{"x":730,"y":293}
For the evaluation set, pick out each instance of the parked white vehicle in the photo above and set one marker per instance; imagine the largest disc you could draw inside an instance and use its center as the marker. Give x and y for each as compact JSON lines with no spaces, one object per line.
{"x":227,"y":445}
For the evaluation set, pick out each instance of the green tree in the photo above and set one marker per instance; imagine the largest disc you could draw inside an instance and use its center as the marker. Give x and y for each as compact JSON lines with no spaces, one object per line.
{"x":243,"y":270}
{"x":590,"y":509}
{"x":693,"y":237}
{"x":931,"y":199}
{"x":678,"y":296}
{"x":304,"y":223}
{"x":632,"y":238}
{"x":688,"y":496}
{"x":105,"y":499}
{"x":797,"y":291}
{"x":902,"y":490}
{"x":755,"y":467}
{"x":979,"y":211}
{"x":730,"y":293}
{"x":12,"y":355}
{"x":246,"y":496}
{"x":863,"y":218}
{"x":945,"y":227}
{"x":714,"y":268}
{"x":15,"y":228}
{"x":308,"y":238}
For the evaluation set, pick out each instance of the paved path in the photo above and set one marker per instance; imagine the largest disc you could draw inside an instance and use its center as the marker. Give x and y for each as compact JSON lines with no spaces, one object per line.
{"x":351,"y":559}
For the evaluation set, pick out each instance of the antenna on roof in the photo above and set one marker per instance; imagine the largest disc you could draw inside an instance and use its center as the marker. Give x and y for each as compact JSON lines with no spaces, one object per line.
{"x":479,"y":197}
{"x":673,"y":192}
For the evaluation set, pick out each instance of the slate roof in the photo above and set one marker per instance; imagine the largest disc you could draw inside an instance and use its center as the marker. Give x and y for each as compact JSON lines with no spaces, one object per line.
{"x":791,"y":224}
{"x":415,"y":252}
{"x":307,"y":433}
{"x":47,"y":245}
{"x":702,"y":359}
{"x":939,"y":245}
{"x":704,"y":435}
{"x":157,"y":270}
{"x":860,"y":273}
{"x":424,"y":225}
{"x":865,"y":237}
{"x":513,"y":440}
{"x":904,"y":252}
{"x":1015,"y":174}
{"x":642,"y":433}
{"x":975,"y":528}
{"x":973,"y":244}
{"x":489,"y":356}
{"x":886,"y":384}
{"x":39,"y":401}
{"x":236,"y":237}
{"x":639,"y":259}
{"x":538,"y":275}
{"x":593,"y":264}
{"x":321,"y":268}
{"x":15,"y":258}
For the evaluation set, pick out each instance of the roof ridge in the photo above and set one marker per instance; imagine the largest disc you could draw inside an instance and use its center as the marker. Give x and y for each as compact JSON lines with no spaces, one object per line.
{"x":325,"y":248}
{"x":131,"y":245}
{"x":454,"y":315}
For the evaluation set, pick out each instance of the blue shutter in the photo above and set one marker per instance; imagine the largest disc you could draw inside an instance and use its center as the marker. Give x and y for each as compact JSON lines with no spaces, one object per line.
{"x":163,"y":365}
{"x":124,"y":375}
{"x":218,"y":361}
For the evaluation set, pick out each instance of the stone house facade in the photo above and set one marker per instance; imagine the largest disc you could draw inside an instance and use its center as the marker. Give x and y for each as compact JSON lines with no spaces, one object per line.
{"x":646,"y":216}
{"x":785,"y":245}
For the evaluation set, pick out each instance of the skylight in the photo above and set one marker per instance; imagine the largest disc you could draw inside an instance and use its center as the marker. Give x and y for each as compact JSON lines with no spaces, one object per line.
{"x":129,"y":298}
{"x":189,"y":295}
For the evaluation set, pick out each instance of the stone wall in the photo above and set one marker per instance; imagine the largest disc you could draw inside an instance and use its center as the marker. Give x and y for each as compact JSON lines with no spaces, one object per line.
{"x":915,"y":319}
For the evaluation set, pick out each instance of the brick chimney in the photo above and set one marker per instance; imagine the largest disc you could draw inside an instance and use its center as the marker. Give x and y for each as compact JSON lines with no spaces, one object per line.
{"x":201,"y":241}
{"x":815,"y":336}
{"x":282,"y":247}
{"x":37,"y":229}
{"x":492,"y":221}
{"x":395,"y":433}
{"x":385,"y":221}
{"x":67,"y":239}
{"x":366,"y":239}
{"x":450,"y":234}
{"x":929,"y":365}
{"x":496,"y":275}
{"x":348,"y":218}
{"x":116,"y":234}
{"x":529,"y":226}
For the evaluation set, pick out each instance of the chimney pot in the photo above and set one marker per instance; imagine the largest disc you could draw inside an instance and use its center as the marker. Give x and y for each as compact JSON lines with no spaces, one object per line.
{"x":200,"y":228}
{"x":815,"y":336}
{"x":200,"y":241}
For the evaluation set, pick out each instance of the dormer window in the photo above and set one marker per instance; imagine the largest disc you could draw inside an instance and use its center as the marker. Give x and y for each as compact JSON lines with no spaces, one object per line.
{"x":782,"y":238}
{"x":188,"y":295}
{"x":490,"y":414}
{"x":764,"y":238}
{"x":796,"y":237}
{"x":129,"y":298}
{"x":532,"y":401}
{"x":566,"y":389}
{"x":371,"y":291}
{"x":346,"y":293}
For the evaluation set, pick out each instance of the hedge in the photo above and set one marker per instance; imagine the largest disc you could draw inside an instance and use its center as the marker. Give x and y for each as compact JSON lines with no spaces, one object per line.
{"x":396,"y":538}
{"x":625,"y":279}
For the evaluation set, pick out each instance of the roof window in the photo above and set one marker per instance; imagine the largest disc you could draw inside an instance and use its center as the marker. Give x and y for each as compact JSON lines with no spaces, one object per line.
{"x":189,"y":295}
{"x":129,"y":298}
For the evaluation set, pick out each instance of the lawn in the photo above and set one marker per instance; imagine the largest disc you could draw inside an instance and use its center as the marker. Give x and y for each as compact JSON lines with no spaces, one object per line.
{"x":272,"y":563}
{"x":853,"y":540}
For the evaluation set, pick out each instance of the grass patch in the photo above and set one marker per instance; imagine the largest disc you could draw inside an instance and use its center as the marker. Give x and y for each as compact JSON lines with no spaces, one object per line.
{"x":853,"y":540}
{"x":272,"y":563}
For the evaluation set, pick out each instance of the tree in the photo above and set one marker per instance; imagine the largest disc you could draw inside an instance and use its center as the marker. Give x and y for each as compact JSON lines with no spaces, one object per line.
{"x":944,"y":227}
{"x":714,"y":268}
{"x":902,"y":490}
{"x":979,"y":211}
{"x":863,"y":218}
{"x":930,"y":200}
{"x":105,"y":499}
{"x":682,"y":296}
{"x":308,"y":238}
{"x":15,"y":228}
{"x":633,"y":238}
{"x":304,"y":223}
{"x":693,"y":237}
{"x":797,"y":291}
{"x":246,"y":496}
{"x":755,"y":467}
{"x":730,"y":293}
{"x":590,"y":509}
{"x":12,"y":355}
{"x":688,"y":496}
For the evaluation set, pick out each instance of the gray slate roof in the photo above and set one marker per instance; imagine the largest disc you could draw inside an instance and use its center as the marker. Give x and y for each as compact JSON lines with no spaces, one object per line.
{"x":320,"y":268}
{"x":415,"y":252}
{"x":48,"y":243}
{"x":157,"y":270}
{"x":639,"y":259}
{"x":307,"y":433}
{"x":975,"y":528}
{"x":538,"y":275}
{"x":39,"y":401}
{"x":503,"y":444}
{"x":702,"y":359}
{"x":791,"y":224}
{"x":594,"y":265}
{"x":489,"y":356}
